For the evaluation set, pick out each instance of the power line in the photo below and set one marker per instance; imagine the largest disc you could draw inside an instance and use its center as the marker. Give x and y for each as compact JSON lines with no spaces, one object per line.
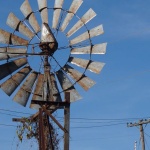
{"x":97,"y":126}
{"x":10,"y":114}
{"x":99,"y":138}
{"x":15,"y":111}
{"x":118,"y":121}
{"x":7,"y":125}
{"x":75,"y":118}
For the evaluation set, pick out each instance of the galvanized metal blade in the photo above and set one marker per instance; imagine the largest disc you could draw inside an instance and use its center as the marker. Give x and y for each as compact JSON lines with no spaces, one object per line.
{"x":47,"y":35}
{"x":8,"y":68}
{"x":28,"y":13}
{"x":56,"y":93}
{"x":12,"y":83}
{"x":95,"y":67}
{"x":4,"y":55}
{"x":43,"y":9}
{"x":80,"y":78}
{"x":96,"y":49}
{"x":89,"y":34}
{"x":89,"y":15}
{"x":9,"y":38}
{"x":58,"y":5}
{"x":17,"y":25}
{"x":38,"y":91}
{"x":72,"y":10}
{"x":23,"y":94}
{"x":68,"y":86}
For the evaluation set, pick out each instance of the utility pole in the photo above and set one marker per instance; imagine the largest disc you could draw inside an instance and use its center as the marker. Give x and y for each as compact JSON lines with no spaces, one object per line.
{"x":140,"y":124}
{"x":135,"y":145}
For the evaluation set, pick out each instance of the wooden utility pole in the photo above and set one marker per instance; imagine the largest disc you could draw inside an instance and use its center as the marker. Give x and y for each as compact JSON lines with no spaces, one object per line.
{"x":135,"y":145}
{"x":43,"y":111}
{"x":140,"y":124}
{"x":67,"y":122}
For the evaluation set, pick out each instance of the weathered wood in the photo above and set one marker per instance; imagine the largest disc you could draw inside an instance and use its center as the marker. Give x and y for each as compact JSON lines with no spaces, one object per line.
{"x":49,"y":103}
{"x":53,"y":118}
{"x":41,"y":131}
{"x":67,"y":122}
{"x":142,"y":137}
{"x":140,"y":124}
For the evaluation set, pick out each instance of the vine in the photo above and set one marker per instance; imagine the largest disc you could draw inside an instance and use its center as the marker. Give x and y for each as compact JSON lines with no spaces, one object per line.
{"x":29,"y":129}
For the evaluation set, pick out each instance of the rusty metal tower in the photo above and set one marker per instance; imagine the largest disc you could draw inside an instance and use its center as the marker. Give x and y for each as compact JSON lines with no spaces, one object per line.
{"x":45,"y":86}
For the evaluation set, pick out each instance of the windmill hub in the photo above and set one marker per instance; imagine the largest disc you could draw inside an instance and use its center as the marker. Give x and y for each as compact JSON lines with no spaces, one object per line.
{"x":48,"y":48}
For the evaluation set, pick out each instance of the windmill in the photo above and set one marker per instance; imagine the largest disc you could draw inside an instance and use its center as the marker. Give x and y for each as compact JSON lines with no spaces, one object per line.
{"x":31,"y":67}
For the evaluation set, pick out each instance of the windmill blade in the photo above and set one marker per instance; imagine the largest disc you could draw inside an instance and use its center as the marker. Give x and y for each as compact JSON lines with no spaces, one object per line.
{"x":56,"y":93}
{"x":95,"y":67}
{"x":9,"y":38}
{"x":23,"y":94}
{"x":43,"y":9}
{"x":72,"y":10}
{"x":80,"y":78}
{"x":12,"y":83}
{"x":96,"y":49}
{"x":89,"y":34}
{"x":57,"y":11}
{"x":8,"y":68}
{"x":89,"y":15}
{"x":4,"y":51}
{"x":46,"y":34}
{"x":28,"y":13}
{"x":17,"y":25}
{"x":67,"y":86}
{"x":38,"y":91}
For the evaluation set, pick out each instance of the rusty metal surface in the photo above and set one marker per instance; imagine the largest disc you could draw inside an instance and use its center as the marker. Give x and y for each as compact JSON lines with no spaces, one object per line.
{"x":96,"y":49}
{"x":73,"y":9}
{"x":56,"y":94}
{"x":8,"y":68}
{"x":4,"y":55}
{"x":44,"y":12}
{"x":95,"y":67}
{"x":89,"y":15}
{"x":56,"y":15}
{"x":12,"y":83}
{"x":8,"y":38}
{"x":47,"y":87}
{"x":89,"y":34}
{"x":80,"y":78}
{"x":68,"y":86}
{"x":53,"y":118}
{"x":38,"y":91}
{"x":46,"y":34}
{"x":27,"y":10}
{"x":23,"y":94}
{"x":17,"y":25}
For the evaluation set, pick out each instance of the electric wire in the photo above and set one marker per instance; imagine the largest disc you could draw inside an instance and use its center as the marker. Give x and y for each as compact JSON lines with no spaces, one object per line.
{"x":14,"y":111}
{"x":103,"y":123}
{"x":85,"y":119}
{"x":10,"y":114}
{"x":100,"y":138}
{"x":139,"y":144}
{"x":147,"y":146}
{"x":146,"y":134}
{"x":85,"y":127}
{"x":7,"y":125}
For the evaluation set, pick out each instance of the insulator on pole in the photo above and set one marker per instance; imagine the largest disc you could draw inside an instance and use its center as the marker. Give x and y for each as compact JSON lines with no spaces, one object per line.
{"x":135,"y":145}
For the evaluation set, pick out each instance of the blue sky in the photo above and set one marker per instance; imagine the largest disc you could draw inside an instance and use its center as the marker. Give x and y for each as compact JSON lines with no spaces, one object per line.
{"x":122,"y":92}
